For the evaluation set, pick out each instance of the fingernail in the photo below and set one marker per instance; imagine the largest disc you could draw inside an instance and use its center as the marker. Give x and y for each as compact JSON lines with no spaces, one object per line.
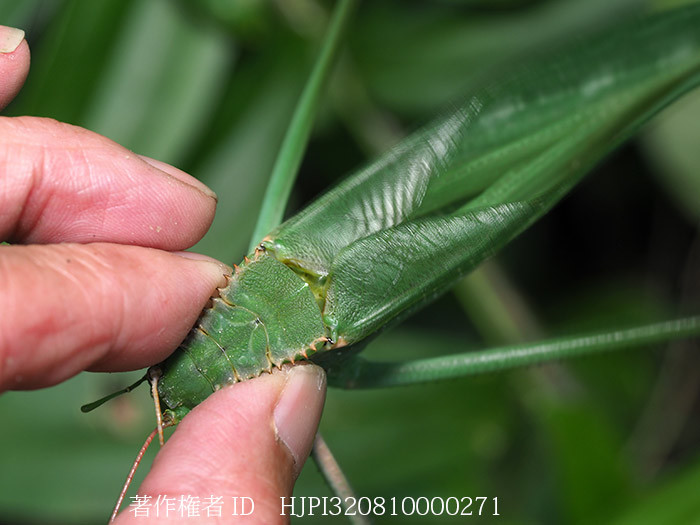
{"x":218,"y":267}
{"x":180,"y":175}
{"x":299,"y":409}
{"x":10,"y":38}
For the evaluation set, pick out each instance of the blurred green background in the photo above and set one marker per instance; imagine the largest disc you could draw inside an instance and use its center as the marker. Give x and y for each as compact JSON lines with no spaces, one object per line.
{"x":209,"y":86}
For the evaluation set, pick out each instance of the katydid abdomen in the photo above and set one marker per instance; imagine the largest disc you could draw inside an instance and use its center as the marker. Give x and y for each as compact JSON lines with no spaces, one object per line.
{"x":264,"y":317}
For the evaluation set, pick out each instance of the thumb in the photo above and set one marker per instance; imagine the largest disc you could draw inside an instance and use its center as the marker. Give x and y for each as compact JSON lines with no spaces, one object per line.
{"x":248,"y":440}
{"x":14,"y":63}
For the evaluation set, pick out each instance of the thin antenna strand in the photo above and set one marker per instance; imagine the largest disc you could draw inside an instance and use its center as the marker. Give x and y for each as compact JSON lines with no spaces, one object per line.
{"x":130,"y":477}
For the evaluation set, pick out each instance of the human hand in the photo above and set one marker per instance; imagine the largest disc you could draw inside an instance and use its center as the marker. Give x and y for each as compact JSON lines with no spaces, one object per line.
{"x":92,"y":284}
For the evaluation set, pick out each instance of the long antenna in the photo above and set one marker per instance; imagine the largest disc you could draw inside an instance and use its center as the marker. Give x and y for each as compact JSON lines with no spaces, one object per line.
{"x":95,"y":404}
{"x":130,"y":477}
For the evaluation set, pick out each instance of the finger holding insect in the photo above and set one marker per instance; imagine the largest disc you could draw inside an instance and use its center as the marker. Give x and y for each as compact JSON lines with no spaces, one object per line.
{"x":247,"y":440}
{"x":97,"y":306}
{"x":14,"y":63}
{"x":62,"y":183}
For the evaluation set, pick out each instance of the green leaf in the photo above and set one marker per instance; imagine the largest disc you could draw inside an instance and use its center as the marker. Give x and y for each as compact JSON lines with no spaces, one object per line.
{"x":294,"y":143}
{"x":160,"y":89}
{"x":65,"y":68}
{"x":673,"y":500}
{"x":19,"y":14}
{"x":593,"y":477}
{"x":239,"y":164}
{"x":84,"y":458}
{"x":415,"y":58}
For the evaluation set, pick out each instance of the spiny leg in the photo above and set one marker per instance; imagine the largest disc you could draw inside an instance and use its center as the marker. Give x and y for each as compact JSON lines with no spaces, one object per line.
{"x":153,"y":376}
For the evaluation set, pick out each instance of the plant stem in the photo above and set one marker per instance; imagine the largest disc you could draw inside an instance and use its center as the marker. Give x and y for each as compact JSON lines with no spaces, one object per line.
{"x":294,"y":143}
{"x":334,"y":477}
{"x":360,"y":373}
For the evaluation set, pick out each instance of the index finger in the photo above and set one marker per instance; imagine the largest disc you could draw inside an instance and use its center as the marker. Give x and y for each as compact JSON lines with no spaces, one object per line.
{"x":14,"y":63}
{"x":62,"y":183}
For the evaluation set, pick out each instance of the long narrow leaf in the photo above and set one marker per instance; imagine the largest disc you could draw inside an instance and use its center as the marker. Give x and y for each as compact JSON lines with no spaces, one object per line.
{"x":360,"y":373}
{"x":294,"y":144}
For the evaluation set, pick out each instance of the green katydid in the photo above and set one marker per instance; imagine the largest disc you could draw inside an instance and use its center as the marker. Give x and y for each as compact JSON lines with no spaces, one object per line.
{"x":401,"y":231}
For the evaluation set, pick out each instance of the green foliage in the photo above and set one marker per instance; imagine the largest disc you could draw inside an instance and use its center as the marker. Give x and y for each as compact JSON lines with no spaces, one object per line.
{"x":211,"y":89}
